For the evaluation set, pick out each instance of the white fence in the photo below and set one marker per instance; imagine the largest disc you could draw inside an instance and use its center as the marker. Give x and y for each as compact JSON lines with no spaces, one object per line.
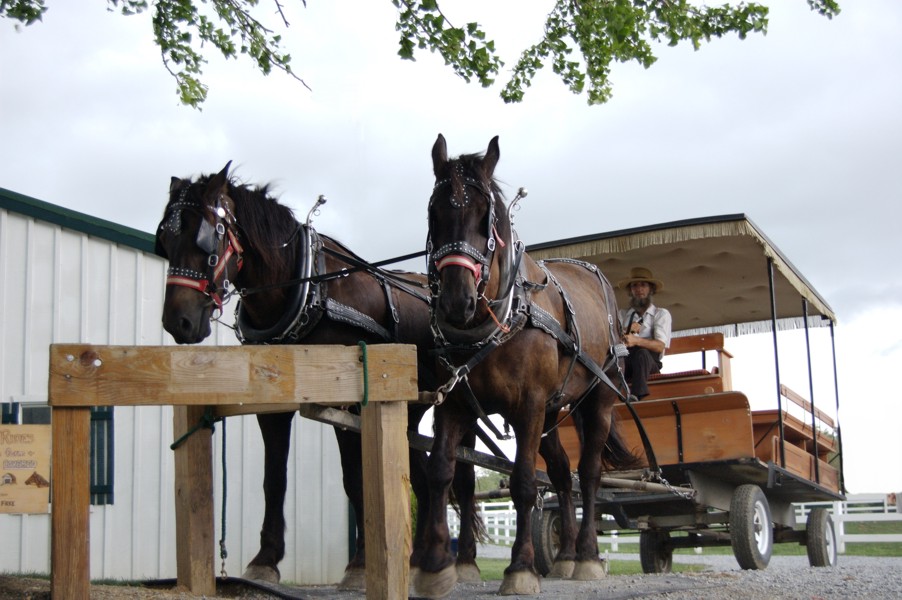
{"x":501,"y":521}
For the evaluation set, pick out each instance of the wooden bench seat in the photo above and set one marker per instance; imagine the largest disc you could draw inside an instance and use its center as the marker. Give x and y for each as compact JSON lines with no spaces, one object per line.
{"x":696,"y":381}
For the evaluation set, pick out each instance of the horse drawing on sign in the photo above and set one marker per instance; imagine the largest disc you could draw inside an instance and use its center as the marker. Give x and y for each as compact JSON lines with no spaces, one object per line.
{"x":521,"y":339}
{"x":296,"y":286}
{"x":37,"y":480}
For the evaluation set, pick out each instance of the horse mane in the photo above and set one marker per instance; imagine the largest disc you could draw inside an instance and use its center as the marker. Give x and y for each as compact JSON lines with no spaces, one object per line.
{"x":266,"y":226}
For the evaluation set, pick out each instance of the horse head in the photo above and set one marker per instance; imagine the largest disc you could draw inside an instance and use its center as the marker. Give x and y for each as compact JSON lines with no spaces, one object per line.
{"x":470,"y":237}
{"x":199,"y":237}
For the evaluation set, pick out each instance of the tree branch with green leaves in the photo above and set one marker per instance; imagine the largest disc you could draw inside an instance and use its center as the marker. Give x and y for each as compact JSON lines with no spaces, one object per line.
{"x":580,"y":42}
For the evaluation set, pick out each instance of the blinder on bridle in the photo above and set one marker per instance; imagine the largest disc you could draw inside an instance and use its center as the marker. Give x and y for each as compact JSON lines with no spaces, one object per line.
{"x":209,"y":240}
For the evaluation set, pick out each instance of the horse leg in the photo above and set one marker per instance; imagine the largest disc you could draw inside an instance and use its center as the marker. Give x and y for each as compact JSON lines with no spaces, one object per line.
{"x":520,"y":577}
{"x":589,"y":566}
{"x":437,"y":575}
{"x":352,"y":477}
{"x":276,"y":431}
{"x":421,"y":492}
{"x":464,"y":487}
{"x":558,"y":464}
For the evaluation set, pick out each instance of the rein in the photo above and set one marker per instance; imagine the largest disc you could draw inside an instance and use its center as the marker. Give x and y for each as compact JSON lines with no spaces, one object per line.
{"x":358,"y":265}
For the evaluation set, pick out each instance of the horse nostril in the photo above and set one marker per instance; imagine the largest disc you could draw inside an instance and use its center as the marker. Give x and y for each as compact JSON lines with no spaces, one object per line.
{"x":185,"y":325}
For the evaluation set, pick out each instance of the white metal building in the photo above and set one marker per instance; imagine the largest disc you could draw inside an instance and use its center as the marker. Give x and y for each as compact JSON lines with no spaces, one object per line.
{"x":66,"y":277}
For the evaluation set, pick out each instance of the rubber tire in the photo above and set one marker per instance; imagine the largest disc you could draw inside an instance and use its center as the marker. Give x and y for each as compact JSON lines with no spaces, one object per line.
{"x":546,"y":538}
{"x":751,"y":527}
{"x":655,"y":553}
{"x":821,"y":538}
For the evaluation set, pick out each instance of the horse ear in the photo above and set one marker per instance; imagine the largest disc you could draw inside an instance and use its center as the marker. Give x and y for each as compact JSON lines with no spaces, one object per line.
{"x":174,"y":184}
{"x":221,"y":178}
{"x":491,"y":157}
{"x":439,"y":155}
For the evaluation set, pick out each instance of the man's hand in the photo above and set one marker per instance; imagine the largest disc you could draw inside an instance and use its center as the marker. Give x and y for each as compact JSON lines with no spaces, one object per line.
{"x":631,"y":340}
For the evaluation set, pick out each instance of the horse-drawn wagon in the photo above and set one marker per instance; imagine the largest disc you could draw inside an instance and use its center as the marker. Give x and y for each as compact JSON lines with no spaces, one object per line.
{"x":716,"y":471}
{"x":523,"y":339}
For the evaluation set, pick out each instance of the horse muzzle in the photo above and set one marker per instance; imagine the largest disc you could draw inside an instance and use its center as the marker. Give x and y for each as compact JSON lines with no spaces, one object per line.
{"x":187,"y":322}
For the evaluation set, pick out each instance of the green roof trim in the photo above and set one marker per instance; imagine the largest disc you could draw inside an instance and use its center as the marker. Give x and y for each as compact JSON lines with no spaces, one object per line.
{"x":76,"y":221}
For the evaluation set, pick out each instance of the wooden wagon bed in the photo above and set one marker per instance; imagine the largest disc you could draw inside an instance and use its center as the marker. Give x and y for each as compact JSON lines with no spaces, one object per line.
{"x":696,"y":422}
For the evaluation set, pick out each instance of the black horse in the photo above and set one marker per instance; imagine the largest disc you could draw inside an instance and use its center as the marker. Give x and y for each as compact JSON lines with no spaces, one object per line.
{"x":297,"y":286}
{"x":521,"y":339}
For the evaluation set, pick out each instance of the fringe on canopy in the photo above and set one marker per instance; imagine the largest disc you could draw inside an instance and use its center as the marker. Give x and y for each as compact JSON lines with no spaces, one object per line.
{"x":753,"y":327}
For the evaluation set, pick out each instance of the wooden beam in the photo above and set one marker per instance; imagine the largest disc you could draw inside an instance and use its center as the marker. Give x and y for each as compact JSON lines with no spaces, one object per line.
{"x":70,"y":573}
{"x":194,"y":520}
{"x":86,"y":375}
{"x":386,"y":500}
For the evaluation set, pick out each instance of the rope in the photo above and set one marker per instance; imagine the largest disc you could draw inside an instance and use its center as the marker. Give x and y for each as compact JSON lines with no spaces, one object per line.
{"x":223,"y":552}
{"x":366,"y":375}
{"x":206,"y":421}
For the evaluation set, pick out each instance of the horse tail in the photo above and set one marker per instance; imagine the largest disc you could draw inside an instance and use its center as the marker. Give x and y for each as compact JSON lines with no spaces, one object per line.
{"x":616,"y":454}
{"x":477,"y":525}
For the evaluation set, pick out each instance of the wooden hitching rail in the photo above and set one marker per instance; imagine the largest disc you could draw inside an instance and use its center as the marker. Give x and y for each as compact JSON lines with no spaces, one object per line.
{"x":237,"y":380}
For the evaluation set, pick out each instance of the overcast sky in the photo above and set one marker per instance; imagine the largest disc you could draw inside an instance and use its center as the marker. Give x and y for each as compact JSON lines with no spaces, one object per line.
{"x":800,"y":129}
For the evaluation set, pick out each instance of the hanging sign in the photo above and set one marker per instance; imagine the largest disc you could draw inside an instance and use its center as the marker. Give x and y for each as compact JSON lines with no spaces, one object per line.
{"x":24,"y":468}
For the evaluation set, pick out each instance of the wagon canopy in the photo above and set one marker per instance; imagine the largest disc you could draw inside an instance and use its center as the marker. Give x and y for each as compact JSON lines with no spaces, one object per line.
{"x":715,"y":271}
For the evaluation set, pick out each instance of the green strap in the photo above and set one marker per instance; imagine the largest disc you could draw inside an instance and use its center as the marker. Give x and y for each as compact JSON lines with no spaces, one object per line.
{"x":366,"y":375}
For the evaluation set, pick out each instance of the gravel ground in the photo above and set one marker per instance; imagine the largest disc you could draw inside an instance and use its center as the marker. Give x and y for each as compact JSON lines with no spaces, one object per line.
{"x":787,"y":577}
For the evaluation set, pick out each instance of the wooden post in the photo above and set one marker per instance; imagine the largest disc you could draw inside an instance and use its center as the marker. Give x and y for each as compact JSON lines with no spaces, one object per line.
{"x":194,"y":520}
{"x":386,"y":499}
{"x":70,"y":575}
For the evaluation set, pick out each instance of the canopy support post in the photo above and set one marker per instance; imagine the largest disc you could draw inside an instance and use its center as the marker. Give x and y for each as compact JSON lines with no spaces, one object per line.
{"x":817,"y":469}
{"x":773,"y":321}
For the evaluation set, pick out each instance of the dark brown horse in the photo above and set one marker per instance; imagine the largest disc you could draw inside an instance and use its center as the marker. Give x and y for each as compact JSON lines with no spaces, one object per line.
{"x":521,"y":339}
{"x":297,"y":286}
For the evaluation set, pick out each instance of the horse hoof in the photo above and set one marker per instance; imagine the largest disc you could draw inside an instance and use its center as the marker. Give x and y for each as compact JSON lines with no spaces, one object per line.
{"x":354,"y":579}
{"x":589,"y":570}
{"x":436,"y":585}
{"x":468,"y":573}
{"x":260,"y":573}
{"x":520,"y":583}
{"x":562,"y":569}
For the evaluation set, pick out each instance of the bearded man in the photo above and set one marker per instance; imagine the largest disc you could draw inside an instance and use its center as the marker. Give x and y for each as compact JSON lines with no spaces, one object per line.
{"x":646,"y":329}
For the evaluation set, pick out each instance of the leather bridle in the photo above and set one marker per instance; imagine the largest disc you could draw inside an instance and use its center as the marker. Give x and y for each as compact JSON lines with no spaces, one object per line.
{"x":461,"y":253}
{"x":220,"y":234}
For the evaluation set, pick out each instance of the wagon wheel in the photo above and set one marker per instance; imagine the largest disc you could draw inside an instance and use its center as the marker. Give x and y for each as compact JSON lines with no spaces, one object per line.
{"x":655,"y":552}
{"x":751,"y":528}
{"x":546,"y":536}
{"x":821,"y":538}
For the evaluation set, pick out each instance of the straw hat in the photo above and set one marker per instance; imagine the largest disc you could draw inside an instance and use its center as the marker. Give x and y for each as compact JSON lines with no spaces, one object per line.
{"x":641,"y":274}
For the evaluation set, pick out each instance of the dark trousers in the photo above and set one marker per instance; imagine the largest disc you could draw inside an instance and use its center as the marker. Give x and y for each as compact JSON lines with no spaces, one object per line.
{"x":639,"y":365}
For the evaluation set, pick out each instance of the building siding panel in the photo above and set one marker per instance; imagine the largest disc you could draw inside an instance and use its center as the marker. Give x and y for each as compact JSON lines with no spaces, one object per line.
{"x":60,"y":285}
